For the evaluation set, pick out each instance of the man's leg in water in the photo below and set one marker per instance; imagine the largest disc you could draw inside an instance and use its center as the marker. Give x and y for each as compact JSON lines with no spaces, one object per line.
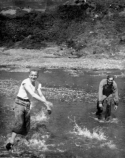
{"x":12,"y":139}
{"x":19,"y":119}
{"x":10,"y":142}
{"x":99,"y":111}
{"x":109,"y":103}
{"x":22,"y":123}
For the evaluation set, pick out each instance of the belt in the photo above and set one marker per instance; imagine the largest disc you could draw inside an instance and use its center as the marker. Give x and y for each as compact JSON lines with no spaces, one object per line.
{"x":27,"y":100}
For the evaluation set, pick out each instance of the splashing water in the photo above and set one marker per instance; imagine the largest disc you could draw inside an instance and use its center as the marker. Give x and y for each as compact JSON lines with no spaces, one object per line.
{"x":109,"y":144}
{"x":41,"y":116}
{"x":38,"y":141}
{"x":97,"y":133}
{"x":113,"y":120}
{"x":35,"y":143}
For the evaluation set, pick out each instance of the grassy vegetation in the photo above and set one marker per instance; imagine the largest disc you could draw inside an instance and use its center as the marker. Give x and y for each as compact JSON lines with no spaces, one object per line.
{"x":95,"y":28}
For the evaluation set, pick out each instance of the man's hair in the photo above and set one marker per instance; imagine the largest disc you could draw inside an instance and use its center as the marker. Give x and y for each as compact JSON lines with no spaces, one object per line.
{"x":34,"y":69}
{"x":110,"y":76}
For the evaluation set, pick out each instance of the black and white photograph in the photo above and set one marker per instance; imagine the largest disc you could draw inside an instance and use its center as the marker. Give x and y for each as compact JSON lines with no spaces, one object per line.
{"x":62,"y":78}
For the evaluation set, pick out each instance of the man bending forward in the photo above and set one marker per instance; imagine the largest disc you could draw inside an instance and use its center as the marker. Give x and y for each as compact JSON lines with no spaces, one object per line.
{"x":108,"y":96}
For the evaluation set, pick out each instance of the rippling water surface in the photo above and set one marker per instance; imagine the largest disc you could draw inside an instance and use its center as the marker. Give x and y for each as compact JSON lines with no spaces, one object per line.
{"x":71,"y":131}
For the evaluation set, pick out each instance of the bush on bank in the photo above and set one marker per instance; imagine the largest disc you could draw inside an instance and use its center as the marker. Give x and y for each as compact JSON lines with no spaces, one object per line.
{"x":96,"y":27}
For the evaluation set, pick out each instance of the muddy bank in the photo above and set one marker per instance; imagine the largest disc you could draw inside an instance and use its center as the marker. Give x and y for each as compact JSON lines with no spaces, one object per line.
{"x":53,"y":57}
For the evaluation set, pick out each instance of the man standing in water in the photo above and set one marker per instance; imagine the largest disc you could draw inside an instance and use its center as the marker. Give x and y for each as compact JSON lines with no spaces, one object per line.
{"x":108,"y":96}
{"x":30,"y":88}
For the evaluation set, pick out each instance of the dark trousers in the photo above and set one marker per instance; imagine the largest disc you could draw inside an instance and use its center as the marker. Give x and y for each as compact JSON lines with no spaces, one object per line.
{"x":22,"y":117}
{"x":107,"y":104}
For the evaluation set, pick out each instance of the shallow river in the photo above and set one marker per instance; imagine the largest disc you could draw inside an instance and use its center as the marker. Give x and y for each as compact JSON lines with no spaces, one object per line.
{"x":71,"y":131}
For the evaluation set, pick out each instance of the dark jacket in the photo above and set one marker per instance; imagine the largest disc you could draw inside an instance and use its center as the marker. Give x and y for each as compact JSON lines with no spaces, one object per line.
{"x":106,"y":90}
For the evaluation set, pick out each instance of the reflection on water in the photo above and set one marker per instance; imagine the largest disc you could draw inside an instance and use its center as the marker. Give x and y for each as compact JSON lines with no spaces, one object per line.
{"x":71,"y":131}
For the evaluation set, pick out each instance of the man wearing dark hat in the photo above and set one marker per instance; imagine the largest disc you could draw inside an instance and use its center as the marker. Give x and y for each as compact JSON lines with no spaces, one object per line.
{"x":107,"y":96}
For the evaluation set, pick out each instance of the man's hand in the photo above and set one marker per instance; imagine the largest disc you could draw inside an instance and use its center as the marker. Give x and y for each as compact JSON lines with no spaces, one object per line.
{"x":100,"y":105}
{"x":115,"y":107}
{"x":49,"y":105}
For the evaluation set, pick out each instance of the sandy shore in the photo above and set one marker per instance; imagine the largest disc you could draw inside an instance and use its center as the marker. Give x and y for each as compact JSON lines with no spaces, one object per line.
{"x":22,"y":59}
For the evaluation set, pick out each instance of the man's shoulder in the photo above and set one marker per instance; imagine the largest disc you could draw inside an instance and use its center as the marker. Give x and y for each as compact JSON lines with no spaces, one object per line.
{"x":38,"y":84}
{"x":103,"y":81}
{"x":114,"y":84}
{"x":26,"y":80}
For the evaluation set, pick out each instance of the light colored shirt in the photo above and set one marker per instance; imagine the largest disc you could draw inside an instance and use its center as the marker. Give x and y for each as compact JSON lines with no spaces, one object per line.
{"x":22,"y":93}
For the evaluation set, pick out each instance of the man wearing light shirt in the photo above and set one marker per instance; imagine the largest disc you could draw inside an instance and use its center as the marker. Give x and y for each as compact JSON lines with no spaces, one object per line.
{"x":29,"y":88}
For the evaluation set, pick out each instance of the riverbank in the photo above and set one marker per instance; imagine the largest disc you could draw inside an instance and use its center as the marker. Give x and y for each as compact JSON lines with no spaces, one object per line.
{"x":21,"y":59}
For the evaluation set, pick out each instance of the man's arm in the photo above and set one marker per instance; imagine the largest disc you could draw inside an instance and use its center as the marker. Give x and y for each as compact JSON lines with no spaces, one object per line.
{"x":48,"y":104}
{"x":35,"y":95}
{"x":40,"y":93}
{"x":101,"y":97}
{"x":116,"y":98}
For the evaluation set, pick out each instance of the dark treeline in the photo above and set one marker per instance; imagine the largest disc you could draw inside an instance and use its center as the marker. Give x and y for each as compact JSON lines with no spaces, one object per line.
{"x":67,"y":24}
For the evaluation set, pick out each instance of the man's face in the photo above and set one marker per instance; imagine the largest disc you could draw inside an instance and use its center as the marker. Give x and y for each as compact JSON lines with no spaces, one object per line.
{"x":33,"y":76}
{"x":110,"y":81}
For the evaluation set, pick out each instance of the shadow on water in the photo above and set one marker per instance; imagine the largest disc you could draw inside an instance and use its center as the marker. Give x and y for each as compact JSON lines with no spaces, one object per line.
{"x":71,"y":131}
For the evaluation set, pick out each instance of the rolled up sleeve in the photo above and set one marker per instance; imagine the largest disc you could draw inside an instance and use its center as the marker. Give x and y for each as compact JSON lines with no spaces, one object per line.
{"x":101,"y":97}
{"x":116,"y":97}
